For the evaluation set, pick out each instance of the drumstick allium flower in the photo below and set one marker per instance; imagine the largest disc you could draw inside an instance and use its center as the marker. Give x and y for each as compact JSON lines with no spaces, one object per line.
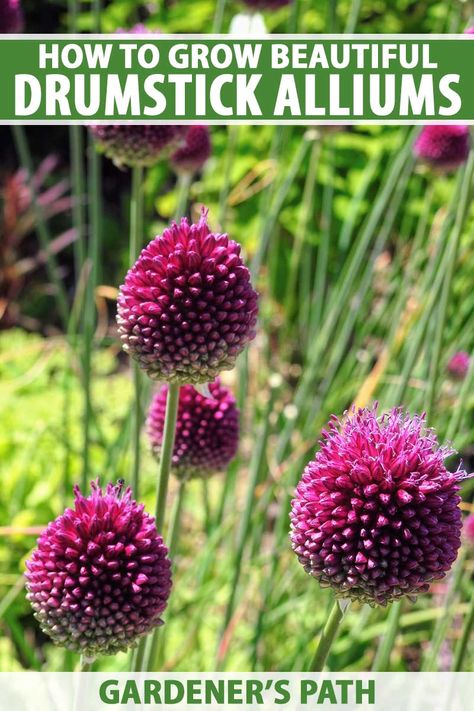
{"x":11,"y":16}
{"x":100,"y":577}
{"x":469,"y":529}
{"x":187,"y":307}
{"x":207,"y":430}
{"x":136,"y":145}
{"x":443,"y":147}
{"x":458,"y":364}
{"x":376,"y":515}
{"x":192,"y":156}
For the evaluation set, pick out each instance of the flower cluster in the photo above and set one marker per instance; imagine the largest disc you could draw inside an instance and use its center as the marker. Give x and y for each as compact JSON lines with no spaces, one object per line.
{"x":376,"y":515}
{"x":100,"y":576}
{"x":187,"y":307}
{"x":207,"y":430}
{"x":11,"y":16}
{"x":136,"y":145}
{"x":443,"y":147}
{"x":192,"y":156}
{"x":458,"y":365}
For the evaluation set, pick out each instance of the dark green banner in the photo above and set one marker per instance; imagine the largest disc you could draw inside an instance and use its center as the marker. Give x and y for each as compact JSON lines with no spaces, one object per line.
{"x":225,"y":79}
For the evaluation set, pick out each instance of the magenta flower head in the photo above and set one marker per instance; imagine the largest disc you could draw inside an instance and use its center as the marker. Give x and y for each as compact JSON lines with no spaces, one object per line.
{"x":133,"y":145}
{"x":458,"y":365}
{"x":187,"y":308}
{"x":469,"y":31}
{"x":207,"y":430}
{"x":266,"y":4}
{"x":443,"y":147}
{"x":468,"y":529}
{"x":11,"y":17}
{"x":376,"y":515}
{"x":100,"y":576}
{"x":192,"y":156}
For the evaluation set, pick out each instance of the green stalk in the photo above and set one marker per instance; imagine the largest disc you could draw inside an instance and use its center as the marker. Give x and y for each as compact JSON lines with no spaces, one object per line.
{"x":319,"y":291}
{"x":382,"y":657}
{"x":464,"y":204}
{"x":166,"y":453}
{"x":136,"y":240}
{"x":167,"y":447}
{"x":183,"y":186}
{"x":218,"y":17}
{"x":95,"y":238}
{"x":444,"y":622}
{"x":327,"y":637}
{"x":353,"y":17}
{"x":175,"y":523}
{"x":24,"y":154}
{"x":232,"y":141}
{"x":462,"y":645}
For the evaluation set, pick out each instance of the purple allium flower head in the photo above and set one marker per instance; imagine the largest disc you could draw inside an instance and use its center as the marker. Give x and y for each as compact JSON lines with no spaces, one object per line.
{"x":100,"y":576}
{"x":187,"y":308}
{"x":11,"y":16}
{"x":197,"y":148}
{"x":468,"y":529}
{"x":469,"y":31}
{"x":136,"y":145}
{"x":376,"y":514}
{"x":458,"y":364}
{"x":207,"y":430}
{"x":266,"y":4}
{"x":444,"y":147}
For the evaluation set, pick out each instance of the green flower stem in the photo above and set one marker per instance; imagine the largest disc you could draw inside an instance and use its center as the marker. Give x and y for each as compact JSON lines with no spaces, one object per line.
{"x":166,"y":453}
{"x":461,"y":647}
{"x":175,"y":523}
{"x":384,"y":651}
{"x":327,"y":637}
{"x":444,"y":621}
{"x":136,"y":239}
{"x":183,"y":186}
{"x":218,"y":17}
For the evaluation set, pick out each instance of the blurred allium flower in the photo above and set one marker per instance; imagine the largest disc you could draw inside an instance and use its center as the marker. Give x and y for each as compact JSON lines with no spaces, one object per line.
{"x":187,"y":308}
{"x":136,"y":145}
{"x":11,"y":16}
{"x":266,"y":4}
{"x":197,"y":148}
{"x":99,"y":577}
{"x":376,"y":514}
{"x":458,"y":364}
{"x":445,"y":147}
{"x":468,"y":529}
{"x":207,"y":430}
{"x":469,"y":31}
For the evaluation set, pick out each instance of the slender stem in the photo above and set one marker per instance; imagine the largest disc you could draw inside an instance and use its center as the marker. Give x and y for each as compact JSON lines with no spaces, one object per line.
{"x":24,"y":154}
{"x":219,"y":17}
{"x":136,"y":238}
{"x":382,"y":657}
{"x":175,"y":523}
{"x":461,"y":647}
{"x":166,"y":452}
{"x":327,"y":638}
{"x":85,"y":666}
{"x":353,"y":17}
{"x":184,"y":184}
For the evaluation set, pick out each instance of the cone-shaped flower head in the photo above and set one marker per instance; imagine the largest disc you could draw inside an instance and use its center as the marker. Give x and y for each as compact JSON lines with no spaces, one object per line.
{"x":11,"y":16}
{"x":187,"y":308}
{"x":207,"y":430}
{"x":99,"y":577}
{"x":376,"y":514}
{"x":197,"y":148}
{"x":266,"y":4}
{"x":444,"y":147}
{"x":468,"y":529}
{"x":458,"y":364}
